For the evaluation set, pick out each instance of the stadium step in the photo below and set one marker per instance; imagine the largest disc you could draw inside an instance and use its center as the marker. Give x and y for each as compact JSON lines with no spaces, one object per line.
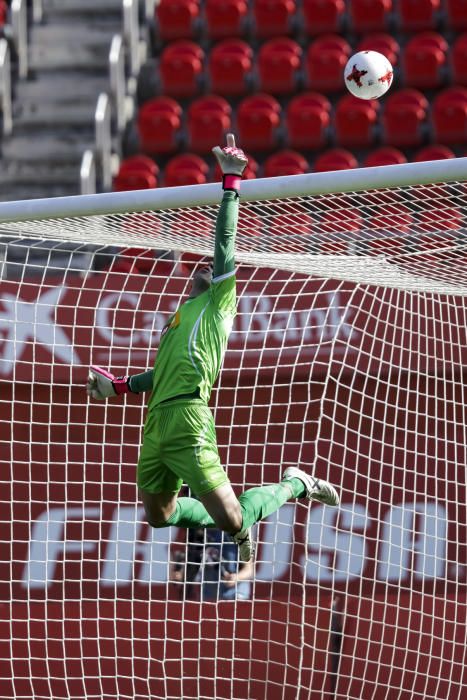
{"x":54,"y":116}
{"x":106,"y":8}
{"x":58,"y":88}
{"x":54,"y":108}
{"x":16,"y":192}
{"x":70,"y":47}
{"x":14,"y":172}
{"x":38,"y":146}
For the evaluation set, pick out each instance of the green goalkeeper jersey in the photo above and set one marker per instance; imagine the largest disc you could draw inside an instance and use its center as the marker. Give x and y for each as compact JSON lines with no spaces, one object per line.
{"x":194,"y":341}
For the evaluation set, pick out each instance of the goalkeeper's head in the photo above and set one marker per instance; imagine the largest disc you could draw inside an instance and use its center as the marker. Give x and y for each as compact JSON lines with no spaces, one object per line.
{"x":201,"y":280}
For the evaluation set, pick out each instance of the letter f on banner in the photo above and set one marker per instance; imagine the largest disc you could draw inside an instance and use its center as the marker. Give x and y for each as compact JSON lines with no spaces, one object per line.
{"x":48,"y":545}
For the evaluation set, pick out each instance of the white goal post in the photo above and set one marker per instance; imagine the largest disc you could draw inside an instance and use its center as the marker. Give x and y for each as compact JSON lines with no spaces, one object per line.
{"x":347,"y":357}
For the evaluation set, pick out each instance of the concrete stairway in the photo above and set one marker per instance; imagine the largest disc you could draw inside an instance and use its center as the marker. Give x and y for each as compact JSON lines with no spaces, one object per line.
{"x":54,"y":108}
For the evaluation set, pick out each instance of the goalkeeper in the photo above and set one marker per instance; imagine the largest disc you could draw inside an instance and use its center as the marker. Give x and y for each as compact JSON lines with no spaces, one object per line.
{"x":179,"y":444}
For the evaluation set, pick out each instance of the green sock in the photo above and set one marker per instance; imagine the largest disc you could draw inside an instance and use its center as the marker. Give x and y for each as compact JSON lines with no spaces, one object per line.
{"x":190,"y":513}
{"x":259,"y":502}
{"x":256,"y":504}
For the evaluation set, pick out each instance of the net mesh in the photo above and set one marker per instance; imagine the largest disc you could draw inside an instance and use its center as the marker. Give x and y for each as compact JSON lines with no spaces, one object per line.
{"x":403,"y":236}
{"x":347,"y":357}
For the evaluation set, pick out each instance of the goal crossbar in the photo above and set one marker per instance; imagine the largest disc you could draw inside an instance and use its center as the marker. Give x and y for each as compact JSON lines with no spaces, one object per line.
{"x":261,"y":189}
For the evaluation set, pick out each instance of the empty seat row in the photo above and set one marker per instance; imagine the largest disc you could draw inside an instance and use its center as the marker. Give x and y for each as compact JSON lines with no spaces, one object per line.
{"x":184,"y":19}
{"x":141,"y":172}
{"x":281,"y":65}
{"x":308,"y":121}
{"x":406,"y":118}
{"x":230,"y":67}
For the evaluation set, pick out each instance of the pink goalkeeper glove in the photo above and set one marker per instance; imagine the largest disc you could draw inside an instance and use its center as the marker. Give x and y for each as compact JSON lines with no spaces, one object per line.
{"x":232,"y":162}
{"x":103,"y":385}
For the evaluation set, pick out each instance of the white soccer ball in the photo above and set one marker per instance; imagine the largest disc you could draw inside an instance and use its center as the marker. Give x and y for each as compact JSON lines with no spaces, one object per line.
{"x":368,"y":75}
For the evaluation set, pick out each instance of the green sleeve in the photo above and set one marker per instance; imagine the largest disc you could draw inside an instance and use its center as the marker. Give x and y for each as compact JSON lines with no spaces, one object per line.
{"x":141,"y":382}
{"x":226,"y":228}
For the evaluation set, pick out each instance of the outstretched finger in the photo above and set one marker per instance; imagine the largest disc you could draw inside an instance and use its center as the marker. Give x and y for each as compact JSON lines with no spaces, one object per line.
{"x":230,"y":141}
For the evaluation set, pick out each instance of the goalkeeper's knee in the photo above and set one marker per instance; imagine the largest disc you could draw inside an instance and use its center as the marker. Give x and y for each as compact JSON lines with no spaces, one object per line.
{"x":158,"y":524}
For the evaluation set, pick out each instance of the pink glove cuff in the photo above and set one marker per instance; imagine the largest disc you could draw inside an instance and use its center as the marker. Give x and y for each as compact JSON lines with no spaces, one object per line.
{"x":231,"y":182}
{"x":120,"y":384}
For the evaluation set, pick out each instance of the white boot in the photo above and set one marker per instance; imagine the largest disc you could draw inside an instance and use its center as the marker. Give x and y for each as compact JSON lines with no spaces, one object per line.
{"x":316,"y":489}
{"x":246,"y":549}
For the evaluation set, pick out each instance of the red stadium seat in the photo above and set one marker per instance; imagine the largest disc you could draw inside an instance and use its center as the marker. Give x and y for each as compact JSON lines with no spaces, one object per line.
{"x":355,"y":121}
{"x":176,"y":19}
{"x":388,"y":226}
{"x":385,"y":155}
{"x":383,"y":43}
{"x":437,"y":232}
{"x":433,"y":152}
{"x":336,"y":228}
{"x":185,"y":169}
{"x":459,"y":60}
{"x":335,"y":159}
{"x":294,"y":228}
{"x":423,"y":60}
{"x":258,"y":118}
{"x":140,"y":162}
{"x":273,"y":17}
{"x":229,"y":66}
{"x":285,"y":162}
{"x":181,"y":68}
{"x":307,"y":119}
{"x":332,"y":41}
{"x":323,"y":16}
{"x":437,"y":221}
{"x":216,"y":103}
{"x":278,"y":63}
{"x":325,"y":62}
{"x":208,"y":122}
{"x":449,"y":115}
{"x":369,"y":15}
{"x":3,"y":13}
{"x":137,"y":172}
{"x":226,"y":18}
{"x":404,"y":116}
{"x":251,"y":224}
{"x":341,"y":219}
{"x":392,"y":217}
{"x":456,"y":11}
{"x":418,"y":14}
{"x":159,"y":123}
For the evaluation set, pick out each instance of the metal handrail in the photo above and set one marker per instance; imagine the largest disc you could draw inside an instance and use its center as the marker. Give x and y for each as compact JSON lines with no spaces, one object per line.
{"x":118,"y":81}
{"x":150,"y":8}
{"x":131,"y":34}
{"x":87,"y":173}
{"x":37,"y":11}
{"x":19,"y":22}
{"x":5,"y":88}
{"x":103,"y":127}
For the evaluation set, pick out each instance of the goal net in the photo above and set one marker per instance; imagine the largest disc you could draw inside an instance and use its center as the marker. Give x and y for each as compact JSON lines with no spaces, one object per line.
{"x":347,"y":357}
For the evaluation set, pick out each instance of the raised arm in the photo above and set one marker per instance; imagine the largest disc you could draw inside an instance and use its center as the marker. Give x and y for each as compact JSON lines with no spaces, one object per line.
{"x":233,"y":162}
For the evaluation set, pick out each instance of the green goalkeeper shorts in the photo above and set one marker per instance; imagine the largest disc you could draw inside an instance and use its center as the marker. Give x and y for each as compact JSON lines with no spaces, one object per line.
{"x":180,"y":446}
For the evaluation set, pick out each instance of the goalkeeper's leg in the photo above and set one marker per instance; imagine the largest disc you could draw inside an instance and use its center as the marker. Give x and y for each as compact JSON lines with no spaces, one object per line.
{"x":221,"y":508}
{"x":184,"y":450}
